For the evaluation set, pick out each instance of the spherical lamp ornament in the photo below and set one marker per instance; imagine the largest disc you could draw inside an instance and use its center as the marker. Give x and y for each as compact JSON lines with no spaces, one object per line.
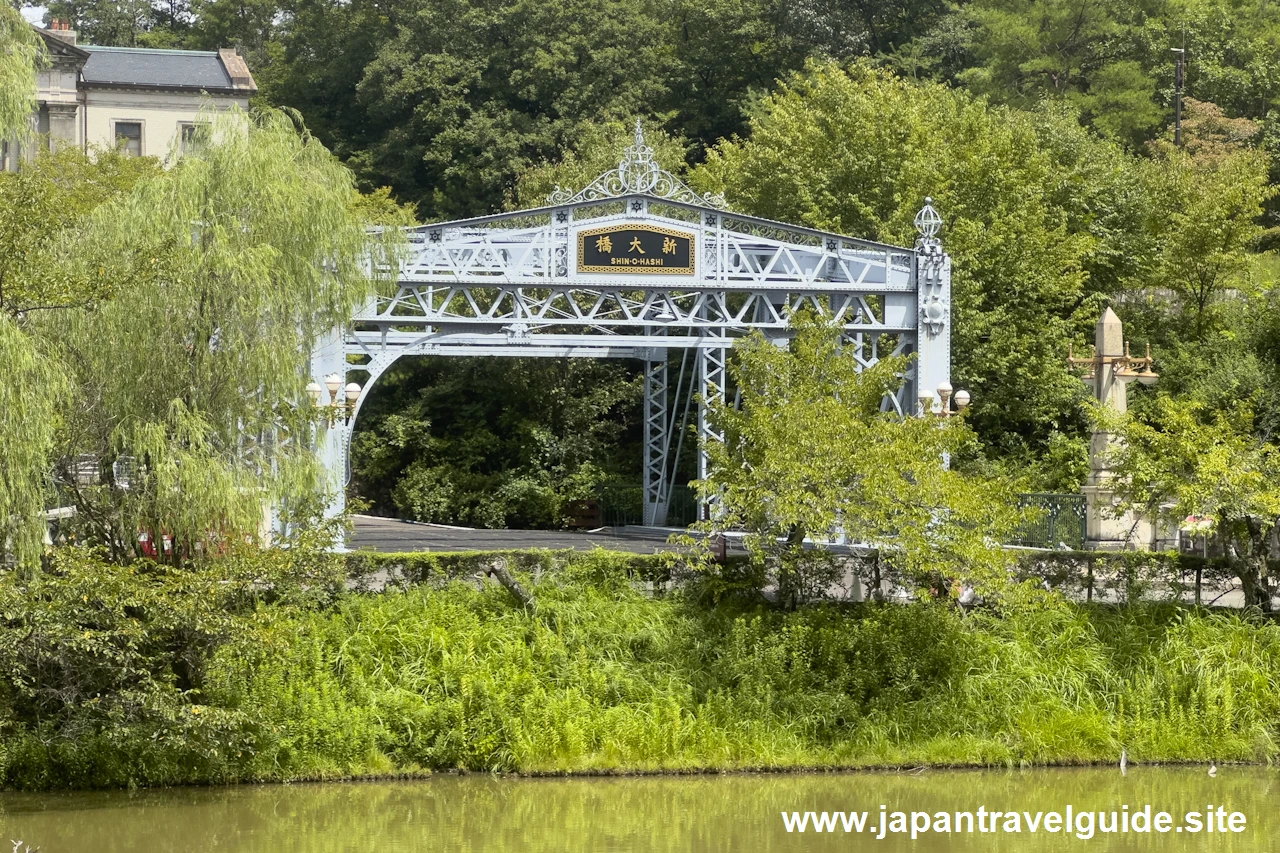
{"x":928,"y":222}
{"x":333,"y":382}
{"x":962,"y":399}
{"x":314,"y":391}
{"x":353,"y":393}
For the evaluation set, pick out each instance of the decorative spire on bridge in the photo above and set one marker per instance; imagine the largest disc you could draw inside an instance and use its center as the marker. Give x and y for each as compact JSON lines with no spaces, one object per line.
{"x":638,"y":174}
{"x":928,"y":223}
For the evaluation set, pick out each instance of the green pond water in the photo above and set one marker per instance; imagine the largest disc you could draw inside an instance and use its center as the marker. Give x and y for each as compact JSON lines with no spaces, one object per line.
{"x":652,"y":814}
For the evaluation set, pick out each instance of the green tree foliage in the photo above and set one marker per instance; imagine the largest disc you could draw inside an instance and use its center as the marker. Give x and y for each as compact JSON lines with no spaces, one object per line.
{"x":1043,"y":219}
{"x":494,"y":442}
{"x":29,"y":392}
{"x":106,"y":667}
{"x":516,"y":83}
{"x":184,"y":366}
{"x":1110,"y":59}
{"x":20,"y":51}
{"x":42,"y":208}
{"x":250,"y":25}
{"x":124,"y":23}
{"x":845,"y":28}
{"x":1210,"y":198}
{"x":1233,"y":58}
{"x":1204,"y":297}
{"x":729,"y":53}
{"x":1073,"y":49}
{"x":315,"y":64}
{"x":1064,"y":194}
{"x":809,"y":453}
{"x":448,"y":101}
{"x":469,"y":94}
{"x":379,"y":208}
{"x":186,"y":24}
{"x":858,"y":151}
{"x":1183,"y":459}
{"x":29,"y":396}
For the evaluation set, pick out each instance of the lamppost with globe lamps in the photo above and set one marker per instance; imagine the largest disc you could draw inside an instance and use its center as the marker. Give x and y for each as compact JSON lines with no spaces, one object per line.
{"x":945,"y":395}
{"x":342,"y":401}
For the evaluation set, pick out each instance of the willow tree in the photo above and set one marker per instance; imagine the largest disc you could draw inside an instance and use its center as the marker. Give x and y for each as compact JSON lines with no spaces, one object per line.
{"x":28,"y":417}
{"x":20,"y":51}
{"x":26,"y":392}
{"x":185,"y":417}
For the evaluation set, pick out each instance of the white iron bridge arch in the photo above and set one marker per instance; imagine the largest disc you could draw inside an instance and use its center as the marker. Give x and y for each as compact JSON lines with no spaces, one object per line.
{"x":633,"y":266}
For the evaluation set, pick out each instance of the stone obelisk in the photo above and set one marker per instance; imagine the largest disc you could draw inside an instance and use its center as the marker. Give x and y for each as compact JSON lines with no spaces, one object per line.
{"x":1110,"y":372}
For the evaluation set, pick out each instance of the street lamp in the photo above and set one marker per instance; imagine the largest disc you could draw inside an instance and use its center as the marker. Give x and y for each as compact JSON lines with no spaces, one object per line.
{"x":1124,"y":367}
{"x":961,"y":398}
{"x":342,"y":401}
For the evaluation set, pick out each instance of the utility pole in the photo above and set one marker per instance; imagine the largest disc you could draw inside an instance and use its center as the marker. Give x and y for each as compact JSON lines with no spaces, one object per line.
{"x":1179,"y":69}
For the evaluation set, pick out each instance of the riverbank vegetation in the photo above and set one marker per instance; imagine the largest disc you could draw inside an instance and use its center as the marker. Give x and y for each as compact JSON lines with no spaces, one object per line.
{"x":149,"y":675}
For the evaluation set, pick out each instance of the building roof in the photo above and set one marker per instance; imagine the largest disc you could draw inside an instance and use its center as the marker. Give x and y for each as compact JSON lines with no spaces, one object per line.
{"x":145,"y":67}
{"x":151,"y":67}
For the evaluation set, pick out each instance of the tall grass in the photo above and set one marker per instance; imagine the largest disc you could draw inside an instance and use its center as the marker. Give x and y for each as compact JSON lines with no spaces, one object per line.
{"x":602,"y":677}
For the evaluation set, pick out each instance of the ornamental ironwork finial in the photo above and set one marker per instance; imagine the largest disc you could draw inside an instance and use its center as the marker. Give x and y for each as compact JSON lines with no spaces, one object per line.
{"x":637,"y":174}
{"x":934,"y":278}
{"x":928,"y":222}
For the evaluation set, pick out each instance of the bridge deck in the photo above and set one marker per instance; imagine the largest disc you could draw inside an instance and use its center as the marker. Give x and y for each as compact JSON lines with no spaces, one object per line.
{"x":390,"y":535}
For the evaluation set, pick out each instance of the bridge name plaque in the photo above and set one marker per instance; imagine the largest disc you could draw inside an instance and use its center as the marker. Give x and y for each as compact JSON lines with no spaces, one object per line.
{"x":635,"y":249}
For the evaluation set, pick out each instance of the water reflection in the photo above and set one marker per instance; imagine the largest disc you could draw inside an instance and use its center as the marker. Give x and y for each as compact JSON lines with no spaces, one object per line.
{"x":657,"y":814}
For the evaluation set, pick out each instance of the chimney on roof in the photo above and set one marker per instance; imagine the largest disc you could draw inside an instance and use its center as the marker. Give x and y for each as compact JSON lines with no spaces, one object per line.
{"x":237,"y":69}
{"x":61,"y":30}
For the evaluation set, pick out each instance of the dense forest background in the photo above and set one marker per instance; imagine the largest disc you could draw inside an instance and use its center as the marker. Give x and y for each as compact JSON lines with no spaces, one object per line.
{"x":1042,"y":130}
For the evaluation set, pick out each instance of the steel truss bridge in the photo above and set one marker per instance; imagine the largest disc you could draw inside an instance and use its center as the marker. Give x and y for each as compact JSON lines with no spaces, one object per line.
{"x":633,"y":266}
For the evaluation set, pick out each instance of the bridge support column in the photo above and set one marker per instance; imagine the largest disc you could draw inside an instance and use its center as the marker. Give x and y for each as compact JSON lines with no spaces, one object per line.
{"x":712,"y":380}
{"x":933,"y":300}
{"x":657,"y":440}
{"x":327,"y":359}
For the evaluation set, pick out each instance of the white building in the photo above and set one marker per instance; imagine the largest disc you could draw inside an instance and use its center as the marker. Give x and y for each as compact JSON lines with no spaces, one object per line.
{"x":141,"y":100}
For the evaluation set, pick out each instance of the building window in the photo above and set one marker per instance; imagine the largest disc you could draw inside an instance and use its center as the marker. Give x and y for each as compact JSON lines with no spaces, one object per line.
{"x":190,"y":136}
{"x":129,"y":138}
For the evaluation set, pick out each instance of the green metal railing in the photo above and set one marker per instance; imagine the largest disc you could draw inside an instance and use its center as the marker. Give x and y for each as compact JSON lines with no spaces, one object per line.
{"x":623,"y":503}
{"x":1060,"y":522}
